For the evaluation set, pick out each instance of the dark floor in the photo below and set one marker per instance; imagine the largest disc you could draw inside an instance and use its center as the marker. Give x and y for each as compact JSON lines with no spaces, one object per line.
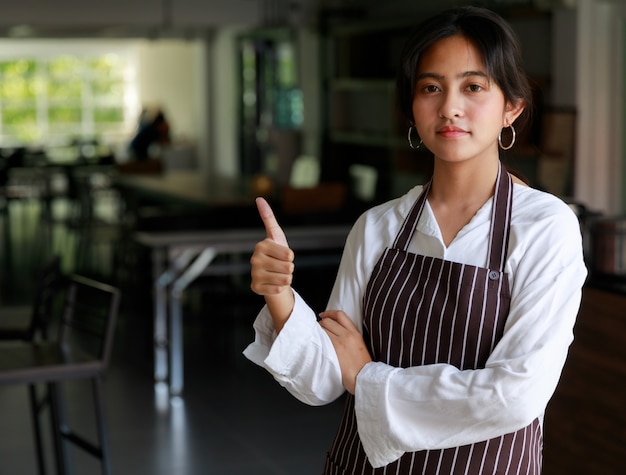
{"x":233,"y":418}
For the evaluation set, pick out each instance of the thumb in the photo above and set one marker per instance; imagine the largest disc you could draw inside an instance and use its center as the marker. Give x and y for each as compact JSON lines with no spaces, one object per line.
{"x":272,"y":228}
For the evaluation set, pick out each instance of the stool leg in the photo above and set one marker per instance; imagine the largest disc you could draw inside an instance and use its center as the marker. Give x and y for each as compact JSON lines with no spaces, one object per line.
{"x":35,"y":409}
{"x":58,"y":423}
{"x":101,"y":425}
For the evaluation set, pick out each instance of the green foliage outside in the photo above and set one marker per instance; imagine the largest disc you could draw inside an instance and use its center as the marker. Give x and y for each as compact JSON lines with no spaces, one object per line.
{"x":61,"y":97}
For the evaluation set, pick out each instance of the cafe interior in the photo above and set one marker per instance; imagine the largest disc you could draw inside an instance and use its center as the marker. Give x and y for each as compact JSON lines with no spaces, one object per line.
{"x":134,"y":138}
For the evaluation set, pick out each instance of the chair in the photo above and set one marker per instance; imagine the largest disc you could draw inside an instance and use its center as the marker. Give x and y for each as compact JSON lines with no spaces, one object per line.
{"x":27,"y":322}
{"x":81,"y":351}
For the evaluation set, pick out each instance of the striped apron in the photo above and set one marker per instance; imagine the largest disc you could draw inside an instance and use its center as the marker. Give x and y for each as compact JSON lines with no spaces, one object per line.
{"x":422,"y":310}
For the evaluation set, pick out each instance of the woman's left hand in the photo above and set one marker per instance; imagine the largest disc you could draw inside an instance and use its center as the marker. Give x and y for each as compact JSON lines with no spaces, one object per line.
{"x":349,"y":345}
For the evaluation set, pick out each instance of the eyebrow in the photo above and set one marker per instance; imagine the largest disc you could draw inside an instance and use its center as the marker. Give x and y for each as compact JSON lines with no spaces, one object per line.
{"x":465,"y":74}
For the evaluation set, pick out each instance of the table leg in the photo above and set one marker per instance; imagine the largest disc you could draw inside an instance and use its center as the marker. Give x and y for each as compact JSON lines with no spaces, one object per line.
{"x":160,"y":317}
{"x":176,"y":317}
{"x":162,"y":281}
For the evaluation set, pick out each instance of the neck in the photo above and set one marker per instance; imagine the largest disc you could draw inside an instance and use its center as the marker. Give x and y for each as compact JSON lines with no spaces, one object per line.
{"x":458,"y":191}
{"x":462,"y":183}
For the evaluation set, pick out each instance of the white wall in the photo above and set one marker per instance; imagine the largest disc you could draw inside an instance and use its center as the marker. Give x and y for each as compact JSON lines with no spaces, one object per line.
{"x":621,"y":99}
{"x":172,"y":74}
{"x":167,"y":73}
{"x":223,"y":109}
{"x":600,"y":96}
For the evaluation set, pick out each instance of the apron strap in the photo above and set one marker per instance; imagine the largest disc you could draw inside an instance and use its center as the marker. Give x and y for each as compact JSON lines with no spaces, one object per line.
{"x":409,"y":225}
{"x":500,"y":220}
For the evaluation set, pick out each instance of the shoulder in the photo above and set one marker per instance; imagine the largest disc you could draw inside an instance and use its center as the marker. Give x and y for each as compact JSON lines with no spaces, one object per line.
{"x":531,"y":205}
{"x":378,"y":226}
{"x":544,"y":225}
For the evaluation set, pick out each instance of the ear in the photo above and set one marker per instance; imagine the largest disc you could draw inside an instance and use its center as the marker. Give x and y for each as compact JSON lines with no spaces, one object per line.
{"x":512,"y":110}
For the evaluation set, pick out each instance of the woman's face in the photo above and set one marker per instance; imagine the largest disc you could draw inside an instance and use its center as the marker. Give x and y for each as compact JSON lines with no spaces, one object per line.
{"x":458,"y":110}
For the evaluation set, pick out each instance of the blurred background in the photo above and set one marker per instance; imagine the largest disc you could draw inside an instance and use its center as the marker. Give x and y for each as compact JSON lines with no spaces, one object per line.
{"x":135,"y":132}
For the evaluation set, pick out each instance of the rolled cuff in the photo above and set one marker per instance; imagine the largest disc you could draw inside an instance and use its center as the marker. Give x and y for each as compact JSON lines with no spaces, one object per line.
{"x":370,"y":401}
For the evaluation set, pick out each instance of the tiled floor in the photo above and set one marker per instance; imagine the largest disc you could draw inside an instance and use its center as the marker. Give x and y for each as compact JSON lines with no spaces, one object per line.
{"x":233,"y":418}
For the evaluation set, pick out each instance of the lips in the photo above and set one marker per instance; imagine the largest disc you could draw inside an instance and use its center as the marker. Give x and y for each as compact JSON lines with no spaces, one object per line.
{"x":450,"y":131}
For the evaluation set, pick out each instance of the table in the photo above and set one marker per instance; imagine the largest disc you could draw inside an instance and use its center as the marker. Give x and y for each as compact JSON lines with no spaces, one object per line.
{"x":181,"y":257}
{"x":186,"y":200}
{"x":224,"y":210}
{"x":188,"y":187}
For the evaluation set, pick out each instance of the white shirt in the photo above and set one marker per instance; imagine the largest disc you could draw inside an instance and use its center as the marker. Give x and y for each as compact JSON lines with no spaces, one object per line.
{"x":438,"y":406}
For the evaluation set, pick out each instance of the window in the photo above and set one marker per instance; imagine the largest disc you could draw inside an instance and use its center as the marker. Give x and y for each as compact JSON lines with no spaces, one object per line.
{"x":52,"y":94}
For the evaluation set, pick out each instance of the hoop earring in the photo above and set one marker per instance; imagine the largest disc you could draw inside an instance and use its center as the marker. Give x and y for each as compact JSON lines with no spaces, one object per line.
{"x":410,"y":141}
{"x":512,"y":139}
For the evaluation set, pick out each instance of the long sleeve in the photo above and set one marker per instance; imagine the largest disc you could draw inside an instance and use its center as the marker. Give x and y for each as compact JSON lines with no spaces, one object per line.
{"x":438,"y":406}
{"x":301,"y":358}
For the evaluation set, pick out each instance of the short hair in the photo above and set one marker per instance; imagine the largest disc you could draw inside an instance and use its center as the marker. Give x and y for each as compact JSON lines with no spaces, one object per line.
{"x":495,"y":40}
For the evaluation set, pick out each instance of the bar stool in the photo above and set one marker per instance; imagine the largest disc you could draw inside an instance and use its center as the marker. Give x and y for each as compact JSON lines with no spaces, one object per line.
{"x":81,"y":351}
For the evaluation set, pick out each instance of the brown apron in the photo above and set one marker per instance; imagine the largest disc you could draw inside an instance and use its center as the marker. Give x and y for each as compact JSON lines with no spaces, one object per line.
{"x":422,"y":310}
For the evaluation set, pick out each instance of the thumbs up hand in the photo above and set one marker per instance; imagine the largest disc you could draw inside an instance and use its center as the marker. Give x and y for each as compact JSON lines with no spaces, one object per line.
{"x":272,"y":260}
{"x":272,"y":267}
{"x":273,"y":230}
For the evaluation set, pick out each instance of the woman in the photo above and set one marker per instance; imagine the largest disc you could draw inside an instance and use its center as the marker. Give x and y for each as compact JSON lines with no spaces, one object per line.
{"x":453,"y":308}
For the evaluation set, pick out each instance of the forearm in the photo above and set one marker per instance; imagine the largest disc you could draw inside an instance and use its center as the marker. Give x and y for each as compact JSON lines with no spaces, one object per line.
{"x":301,"y":358}
{"x":280,"y":307}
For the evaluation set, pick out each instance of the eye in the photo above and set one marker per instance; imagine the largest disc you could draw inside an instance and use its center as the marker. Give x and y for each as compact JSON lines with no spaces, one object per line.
{"x":474,"y":88}
{"x":429,"y":89}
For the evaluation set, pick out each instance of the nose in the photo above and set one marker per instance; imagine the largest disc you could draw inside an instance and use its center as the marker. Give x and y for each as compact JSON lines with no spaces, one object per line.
{"x":451,"y":105}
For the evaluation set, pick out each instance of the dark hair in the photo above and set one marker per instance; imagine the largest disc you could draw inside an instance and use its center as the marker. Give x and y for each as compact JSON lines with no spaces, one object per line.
{"x":495,"y":40}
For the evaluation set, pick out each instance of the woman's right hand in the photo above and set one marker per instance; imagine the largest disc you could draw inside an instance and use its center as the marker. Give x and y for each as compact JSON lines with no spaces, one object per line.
{"x":272,"y":267}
